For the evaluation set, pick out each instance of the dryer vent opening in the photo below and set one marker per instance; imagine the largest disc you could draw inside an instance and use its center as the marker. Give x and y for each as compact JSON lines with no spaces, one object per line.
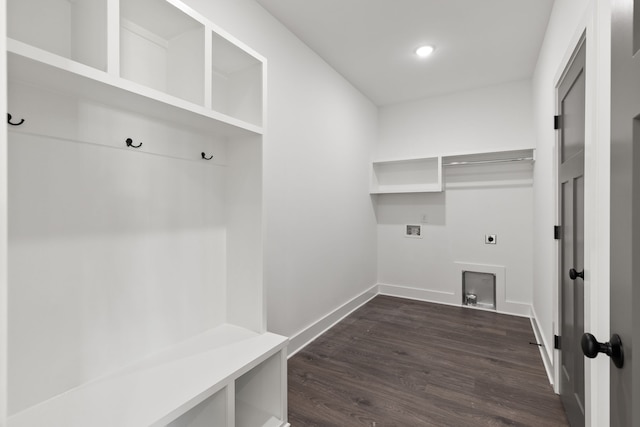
{"x":479,"y":289}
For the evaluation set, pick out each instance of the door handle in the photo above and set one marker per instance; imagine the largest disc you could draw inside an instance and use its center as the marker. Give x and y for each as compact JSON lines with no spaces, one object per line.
{"x":573,"y":274}
{"x":591,"y":347}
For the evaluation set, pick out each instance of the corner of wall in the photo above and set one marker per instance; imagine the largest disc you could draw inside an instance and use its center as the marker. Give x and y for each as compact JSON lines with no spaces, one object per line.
{"x":300,"y":340}
{"x":546,"y":352}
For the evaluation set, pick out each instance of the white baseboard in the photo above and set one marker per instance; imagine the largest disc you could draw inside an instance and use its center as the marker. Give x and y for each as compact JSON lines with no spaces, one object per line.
{"x":298,"y":341}
{"x":440,"y":297}
{"x":515,"y":309}
{"x":546,"y":352}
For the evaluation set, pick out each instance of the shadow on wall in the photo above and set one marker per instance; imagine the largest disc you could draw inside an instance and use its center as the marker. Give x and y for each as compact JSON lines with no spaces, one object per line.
{"x":410,"y":208}
{"x":489,"y":175}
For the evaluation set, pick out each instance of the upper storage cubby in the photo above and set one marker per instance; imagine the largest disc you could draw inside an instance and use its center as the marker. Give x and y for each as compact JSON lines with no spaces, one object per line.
{"x":73,"y":29}
{"x":163,"y":48}
{"x":159,"y":58}
{"x":236,"y":81}
{"x":420,"y":175}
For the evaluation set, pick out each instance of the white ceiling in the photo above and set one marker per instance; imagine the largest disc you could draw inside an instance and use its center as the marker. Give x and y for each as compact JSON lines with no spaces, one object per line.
{"x":371,"y":42}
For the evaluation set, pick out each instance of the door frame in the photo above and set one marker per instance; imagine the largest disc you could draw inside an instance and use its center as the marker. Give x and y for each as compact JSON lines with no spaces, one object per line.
{"x":561,"y":248}
{"x":595,"y":29}
{"x":3,"y":223}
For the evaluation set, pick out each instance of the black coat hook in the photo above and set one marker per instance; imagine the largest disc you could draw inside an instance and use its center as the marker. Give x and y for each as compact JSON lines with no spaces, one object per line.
{"x":14,"y":124}
{"x":205,"y":157}
{"x":129,"y":142}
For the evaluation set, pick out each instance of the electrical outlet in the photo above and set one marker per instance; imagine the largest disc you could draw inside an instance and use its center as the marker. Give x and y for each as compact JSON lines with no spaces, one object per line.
{"x":490,"y":239}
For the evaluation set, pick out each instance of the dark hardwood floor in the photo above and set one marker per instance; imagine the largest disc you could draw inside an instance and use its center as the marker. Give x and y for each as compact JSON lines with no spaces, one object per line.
{"x":398,"y":362}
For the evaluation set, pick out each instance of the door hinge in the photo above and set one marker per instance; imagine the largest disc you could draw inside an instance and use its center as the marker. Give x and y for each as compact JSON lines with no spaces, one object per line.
{"x":556,"y":232}
{"x":556,"y":342}
{"x":556,"y":122}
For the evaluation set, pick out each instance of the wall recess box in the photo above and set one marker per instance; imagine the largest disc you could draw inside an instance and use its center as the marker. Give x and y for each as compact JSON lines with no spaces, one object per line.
{"x":413,"y":230}
{"x":490,"y":239}
{"x":479,"y":289}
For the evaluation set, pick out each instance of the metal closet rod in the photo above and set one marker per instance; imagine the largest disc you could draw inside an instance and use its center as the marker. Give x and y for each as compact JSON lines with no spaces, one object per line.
{"x":482,"y":162}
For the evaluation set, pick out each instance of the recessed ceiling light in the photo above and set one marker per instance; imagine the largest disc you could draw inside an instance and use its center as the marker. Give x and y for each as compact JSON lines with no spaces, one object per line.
{"x":424,"y":51}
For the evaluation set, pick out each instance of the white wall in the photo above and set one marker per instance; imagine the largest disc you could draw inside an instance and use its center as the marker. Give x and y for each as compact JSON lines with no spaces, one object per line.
{"x":486,"y":119}
{"x":495,"y":199}
{"x":569,"y":20}
{"x":320,"y":240}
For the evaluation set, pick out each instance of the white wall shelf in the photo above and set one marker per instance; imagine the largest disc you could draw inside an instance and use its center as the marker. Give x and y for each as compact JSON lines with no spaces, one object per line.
{"x":147,"y":307}
{"x":425,"y":175}
{"x":419,"y":175}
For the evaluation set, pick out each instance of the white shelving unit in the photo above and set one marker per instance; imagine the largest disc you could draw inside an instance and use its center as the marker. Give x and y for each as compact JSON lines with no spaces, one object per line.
{"x":425,"y":175}
{"x":420,"y":175}
{"x":135,"y":291}
{"x":157,"y":54}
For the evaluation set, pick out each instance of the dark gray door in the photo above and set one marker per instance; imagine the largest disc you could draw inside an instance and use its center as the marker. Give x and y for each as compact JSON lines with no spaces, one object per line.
{"x":571,"y":107}
{"x":625,"y":208}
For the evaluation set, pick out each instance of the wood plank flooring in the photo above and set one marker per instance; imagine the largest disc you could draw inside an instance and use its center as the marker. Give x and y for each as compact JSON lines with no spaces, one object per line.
{"x":405,"y":363}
